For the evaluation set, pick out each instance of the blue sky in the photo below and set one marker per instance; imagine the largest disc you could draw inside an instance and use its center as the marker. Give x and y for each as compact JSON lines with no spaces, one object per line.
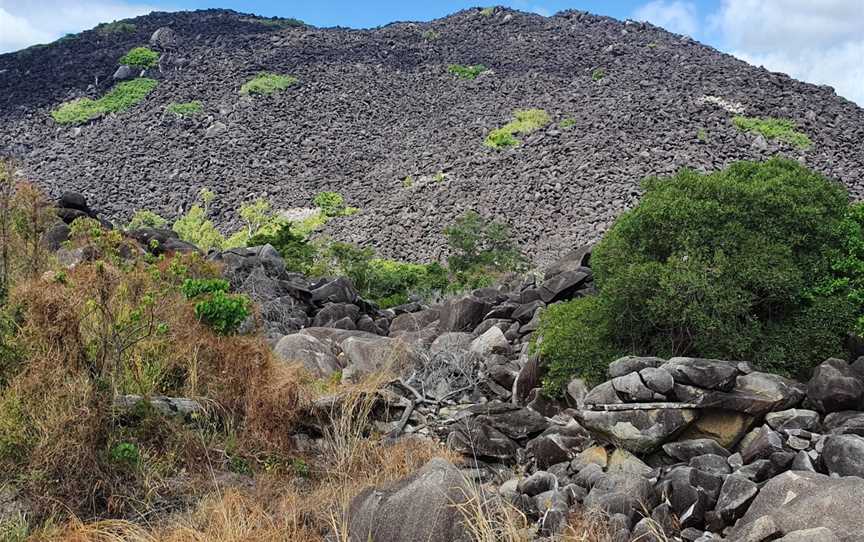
{"x":819,"y":41}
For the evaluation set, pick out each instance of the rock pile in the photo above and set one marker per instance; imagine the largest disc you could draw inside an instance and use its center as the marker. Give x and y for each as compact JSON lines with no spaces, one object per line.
{"x":374,"y":107}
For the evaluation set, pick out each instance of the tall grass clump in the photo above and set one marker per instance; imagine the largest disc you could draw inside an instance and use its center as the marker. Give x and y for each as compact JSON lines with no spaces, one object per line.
{"x":267,"y":83}
{"x":466,"y":72}
{"x":773,"y":128}
{"x":525,"y":122}
{"x":141,"y":57}
{"x":120,"y":98}
{"x":760,"y":262}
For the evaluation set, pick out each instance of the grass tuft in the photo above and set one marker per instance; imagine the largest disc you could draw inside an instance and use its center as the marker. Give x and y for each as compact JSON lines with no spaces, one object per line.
{"x":117,"y":27}
{"x":526,"y":121}
{"x":141,"y":57}
{"x":186,"y":109}
{"x":466,"y":72}
{"x":120,"y":98}
{"x":267,"y":83}
{"x":774,"y":128}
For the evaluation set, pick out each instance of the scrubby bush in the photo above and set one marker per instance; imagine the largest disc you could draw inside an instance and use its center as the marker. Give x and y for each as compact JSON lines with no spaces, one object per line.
{"x":525,"y":122}
{"x":141,"y":57}
{"x":478,"y":243}
{"x":223,"y":312}
{"x":598,"y":74}
{"x":745,"y":263}
{"x":771,"y":128}
{"x":487,"y":12}
{"x":116,"y":27}
{"x":120,"y":98}
{"x":267,"y":83}
{"x":194,"y":227}
{"x":298,"y":253}
{"x":185,"y":109}
{"x":146,"y":219}
{"x":332,"y":204}
{"x":192,"y":288}
{"x":466,"y":72}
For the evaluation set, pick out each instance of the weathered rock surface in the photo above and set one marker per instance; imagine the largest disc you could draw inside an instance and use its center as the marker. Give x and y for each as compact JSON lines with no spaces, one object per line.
{"x":417,"y":509}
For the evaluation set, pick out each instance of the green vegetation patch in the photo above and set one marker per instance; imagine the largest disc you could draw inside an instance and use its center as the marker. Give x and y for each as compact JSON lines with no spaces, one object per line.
{"x":773,"y":128}
{"x":186,"y":109}
{"x":431,"y":35}
{"x":275,"y":22}
{"x":598,"y":74}
{"x":117,"y":27}
{"x":525,"y":122}
{"x":487,"y":12}
{"x":120,"y":98}
{"x":761,"y":262}
{"x":567,"y":123}
{"x":466,"y":72}
{"x":267,"y":83}
{"x":142,"y":57}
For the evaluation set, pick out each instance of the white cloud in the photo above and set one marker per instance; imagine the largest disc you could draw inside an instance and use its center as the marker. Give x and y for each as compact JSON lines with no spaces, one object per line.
{"x":27,"y":22}
{"x":676,"y":16}
{"x":818,"y":42}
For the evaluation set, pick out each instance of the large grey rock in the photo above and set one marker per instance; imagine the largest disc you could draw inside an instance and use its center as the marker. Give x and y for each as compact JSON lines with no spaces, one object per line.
{"x":819,"y":534}
{"x":735,"y":496}
{"x":638,"y":431}
{"x":843,"y":455}
{"x":462,"y":313}
{"x":452,"y":341}
{"x":514,"y":421}
{"x":316,"y":356}
{"x":685,"y":450}
{"x":366,"y":356}
{"x":806,"y":500}
{"x":414,"y":321}
{"x":793,"y":418}
{"x":632,"y":389}
{"x":844,"y":422}
{"x":626,"y":494}
{"x":419,"y":508}
{"x":711,"y":374}
{"x":563,"y":285}
{"x":491,"y":342}
{"x":476,"y":438}
{"x":835,"y":386}
{"x":164,"y":38}
{"x":630,"y":364}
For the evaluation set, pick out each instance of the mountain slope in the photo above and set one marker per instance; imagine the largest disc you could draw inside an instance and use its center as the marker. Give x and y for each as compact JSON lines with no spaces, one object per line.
{"x":376,"y":106}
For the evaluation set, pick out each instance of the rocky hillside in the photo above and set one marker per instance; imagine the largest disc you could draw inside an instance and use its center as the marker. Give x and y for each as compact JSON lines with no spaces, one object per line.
{"x":374,"y":107}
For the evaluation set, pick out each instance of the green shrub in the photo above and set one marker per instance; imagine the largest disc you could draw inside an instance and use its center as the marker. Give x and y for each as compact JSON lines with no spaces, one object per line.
{"x":14,"y":432}
{"x":194,"y":287}
{"x":567,"y":123}
{"x":195,"y":228}
{"x":745,"y":263}
{"x":391,"y":283}
{"x":332,"y":204}
{"x":267,"y":83}
{"x":120,"y":98}
{"x":187,"y":109}
{"x":276,"y":22}
{"x":408,"y":181}
{"x":141,"y":57}
{"x":477,"y":243}
{"x":298,"y":253}
{"x":466,"y":72}
{"x":771,"y":128}
{"x":575,"y":342}
{"x":431,"y":35}
{"x":222,"y":311}
{"x":598,"y":74}
{"x":125,"y":453}
{"x":525,"y":122}
{"x":146,"y":219}
{"x":117,"y":27}
{"x":487,"y":12}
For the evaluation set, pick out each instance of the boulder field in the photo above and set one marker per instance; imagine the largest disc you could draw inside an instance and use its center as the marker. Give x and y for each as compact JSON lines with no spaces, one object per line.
{"x":377,"y":116}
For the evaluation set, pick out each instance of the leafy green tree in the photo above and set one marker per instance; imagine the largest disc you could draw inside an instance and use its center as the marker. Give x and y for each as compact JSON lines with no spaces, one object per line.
{"x":745,"y":263}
